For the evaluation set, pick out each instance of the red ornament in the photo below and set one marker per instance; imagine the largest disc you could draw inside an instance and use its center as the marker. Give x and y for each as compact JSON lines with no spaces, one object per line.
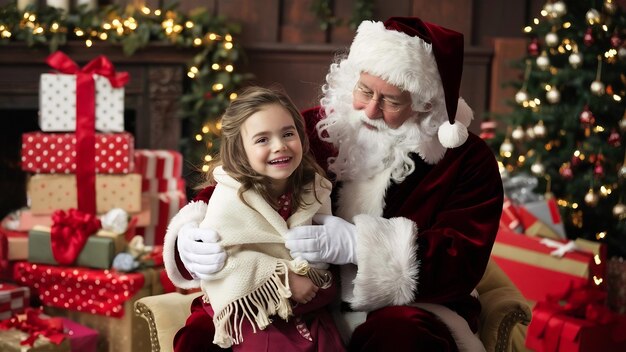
{"x":598,"y":170}
{"x":575,"y":161}
{"x":566,"y":171}
{"x":533,"y":47}
{"x":615,"y":140}
{"x":588,"y":38}
{"x":616,"y":41}
{"x":586,"y":117}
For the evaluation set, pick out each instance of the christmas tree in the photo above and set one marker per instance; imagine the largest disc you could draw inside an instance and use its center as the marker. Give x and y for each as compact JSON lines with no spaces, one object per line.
{"x":567,"y":127}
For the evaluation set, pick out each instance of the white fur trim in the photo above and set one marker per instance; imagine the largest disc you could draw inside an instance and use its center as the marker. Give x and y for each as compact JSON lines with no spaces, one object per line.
{"x":193,"y":212}
{"x":402,"y":60}
{"x":387,"y":257}
{"x":465,"y":340}
{"x":452,"y":136}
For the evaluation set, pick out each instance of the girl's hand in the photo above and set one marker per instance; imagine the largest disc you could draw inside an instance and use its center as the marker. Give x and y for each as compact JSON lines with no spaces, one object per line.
{"x":303,"y":290}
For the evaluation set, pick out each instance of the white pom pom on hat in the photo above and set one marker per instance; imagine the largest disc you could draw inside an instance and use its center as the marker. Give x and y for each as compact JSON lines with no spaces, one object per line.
{"x":396,"y":51}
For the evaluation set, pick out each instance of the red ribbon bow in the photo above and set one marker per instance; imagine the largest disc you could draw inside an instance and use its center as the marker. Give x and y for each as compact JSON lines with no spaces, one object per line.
{"x":583,"y":302}
{"x":34,"y":326}
{"x":70,"y":232}
{"x":86,"y":119}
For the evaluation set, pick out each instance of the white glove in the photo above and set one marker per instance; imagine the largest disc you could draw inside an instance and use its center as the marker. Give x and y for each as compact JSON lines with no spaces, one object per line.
{"x":200,"y":251}
{"x":333,"y":241}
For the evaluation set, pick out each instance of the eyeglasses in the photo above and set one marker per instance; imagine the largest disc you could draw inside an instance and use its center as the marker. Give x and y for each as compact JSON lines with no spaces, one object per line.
{"x":363,"y":95}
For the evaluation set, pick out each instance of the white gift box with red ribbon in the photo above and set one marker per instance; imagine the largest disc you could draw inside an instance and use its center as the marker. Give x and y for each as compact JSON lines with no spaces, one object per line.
{"x":163,"y":206}
{"x":158,"y":164}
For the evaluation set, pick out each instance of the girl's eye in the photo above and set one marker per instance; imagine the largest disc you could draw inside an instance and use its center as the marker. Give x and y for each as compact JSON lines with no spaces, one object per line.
{"x":261,"y":140}
{"x":289,"y":134}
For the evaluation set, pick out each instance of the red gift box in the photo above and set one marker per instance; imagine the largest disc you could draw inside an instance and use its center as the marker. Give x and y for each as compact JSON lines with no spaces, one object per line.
{"x":159,"y":164}
{"x":553,"y":330}
{"x":160,"y":185}
{"x":531,"y":267}
{"x":82,"y":338}
{"x":101,"y":292}
{"x":541,"y":218}
{"x":163,"y":207}
{"x":13,"y":300}
{"x":510,"y":218}
{"x":55,"y":153}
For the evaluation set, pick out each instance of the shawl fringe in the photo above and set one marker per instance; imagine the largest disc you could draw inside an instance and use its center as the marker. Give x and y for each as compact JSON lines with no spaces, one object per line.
{"x":271,"y":298}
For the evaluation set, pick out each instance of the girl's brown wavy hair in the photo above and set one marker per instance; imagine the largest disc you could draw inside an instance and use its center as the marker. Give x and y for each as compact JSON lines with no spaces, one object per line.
{"x":233,"y":156}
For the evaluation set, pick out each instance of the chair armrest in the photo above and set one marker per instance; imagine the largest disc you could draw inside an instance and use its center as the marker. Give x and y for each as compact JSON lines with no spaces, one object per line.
{"x":503,"y":306}
{"x":165,"y":314}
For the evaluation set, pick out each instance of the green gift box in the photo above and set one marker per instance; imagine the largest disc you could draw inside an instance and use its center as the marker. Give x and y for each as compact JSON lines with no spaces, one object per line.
{"x":97,"y":253}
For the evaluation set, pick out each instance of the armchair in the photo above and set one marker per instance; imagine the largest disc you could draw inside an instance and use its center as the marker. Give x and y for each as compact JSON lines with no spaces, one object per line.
{"x":503,"y":307}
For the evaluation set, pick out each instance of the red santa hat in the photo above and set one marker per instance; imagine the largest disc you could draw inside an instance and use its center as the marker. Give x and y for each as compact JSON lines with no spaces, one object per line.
{"x":423,"y":59}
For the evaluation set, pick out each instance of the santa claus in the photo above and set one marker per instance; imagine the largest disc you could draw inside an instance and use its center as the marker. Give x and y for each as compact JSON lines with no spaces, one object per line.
{"x":417,"y":197}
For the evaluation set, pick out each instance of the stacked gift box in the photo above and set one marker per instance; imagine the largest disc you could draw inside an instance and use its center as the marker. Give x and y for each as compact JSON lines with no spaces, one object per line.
{"x":74,"y":248}
{"x":163,"y":190}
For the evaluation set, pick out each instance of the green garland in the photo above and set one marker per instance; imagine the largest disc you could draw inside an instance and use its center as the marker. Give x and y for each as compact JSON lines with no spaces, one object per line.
{"x":322,"y":9}
{"x":212,"y":71}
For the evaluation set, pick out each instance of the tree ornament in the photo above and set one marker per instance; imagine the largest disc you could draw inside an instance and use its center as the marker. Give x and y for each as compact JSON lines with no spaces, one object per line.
{"x":548,"y":8}
{"x":616,"y":41}
{"x":588,"y":39}
{"x":559,"y":9}
{"x":566,"y":171}
{"x":609,"y":7}
{"x":598,"y":169}
{"x":619,"y":211}
{"x":591,"y":198}
{"x":621,"y":52}
{"x":586,"y":117}
{"x":552,"y":39}
{"x":575,"y":59}
{"x":615,"y":140}
{"x":622,"y":123}
{"x":521,"y":97}
{"x":530,"y":133}
{"x":537,"y":168}
{"x":592,"y":16}
{"x":575,"y":160}
{"x":518,"y":133}
{"x":597,"y":87}
{"x":553,"y":96}
{"x":540,"y":129}
{"x":543,"y":62}
{"x":622,"y":172}
{"x":533,"y":47}
{"x":506,"y":148}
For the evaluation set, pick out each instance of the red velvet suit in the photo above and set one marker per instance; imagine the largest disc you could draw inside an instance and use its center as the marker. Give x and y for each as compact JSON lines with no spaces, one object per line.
{"x":455,"y":207}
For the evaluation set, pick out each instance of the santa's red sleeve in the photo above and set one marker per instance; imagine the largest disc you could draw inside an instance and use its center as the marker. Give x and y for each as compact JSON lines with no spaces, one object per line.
{"x":435,"y":245}
{"x":194,"y":212}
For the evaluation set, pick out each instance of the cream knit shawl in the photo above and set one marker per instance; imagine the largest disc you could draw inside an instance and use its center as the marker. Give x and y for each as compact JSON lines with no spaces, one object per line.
{"x":254,"y":282}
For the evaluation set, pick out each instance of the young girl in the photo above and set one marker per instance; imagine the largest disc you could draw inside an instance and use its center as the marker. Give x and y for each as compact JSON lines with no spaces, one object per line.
{"x":266,"y":182}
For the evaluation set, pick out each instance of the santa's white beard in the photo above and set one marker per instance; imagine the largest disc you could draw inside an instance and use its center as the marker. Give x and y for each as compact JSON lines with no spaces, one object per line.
{"x":363,"y":152}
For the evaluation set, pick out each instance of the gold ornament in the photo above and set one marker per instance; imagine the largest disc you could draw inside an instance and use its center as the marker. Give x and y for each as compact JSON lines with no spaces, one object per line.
{"x":537,"y":168}
{"x":540,"y":129}
{"x":592,"y":16}
{"x":559,"y":9}
{"x":619,"y":211}
{"x":621,"y":53}
{"x":622,"y":123}
{"x":577,"y":218}
{"x":553,"y":96}
{"x":543,"y":62}
{"x":552,"y":39}
{"x":597,"y":88}
{"x":591,"y":198}
{"x":506,"y":148}
{"x":622,"y":172}
{"x":521,"y":97}
{"x":609,"y":7}
{"x":518,"y":133}
{"x":575,"y":59}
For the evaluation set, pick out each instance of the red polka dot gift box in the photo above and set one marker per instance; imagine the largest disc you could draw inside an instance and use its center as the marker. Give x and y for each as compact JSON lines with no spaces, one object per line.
{"x":55,"y":153}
